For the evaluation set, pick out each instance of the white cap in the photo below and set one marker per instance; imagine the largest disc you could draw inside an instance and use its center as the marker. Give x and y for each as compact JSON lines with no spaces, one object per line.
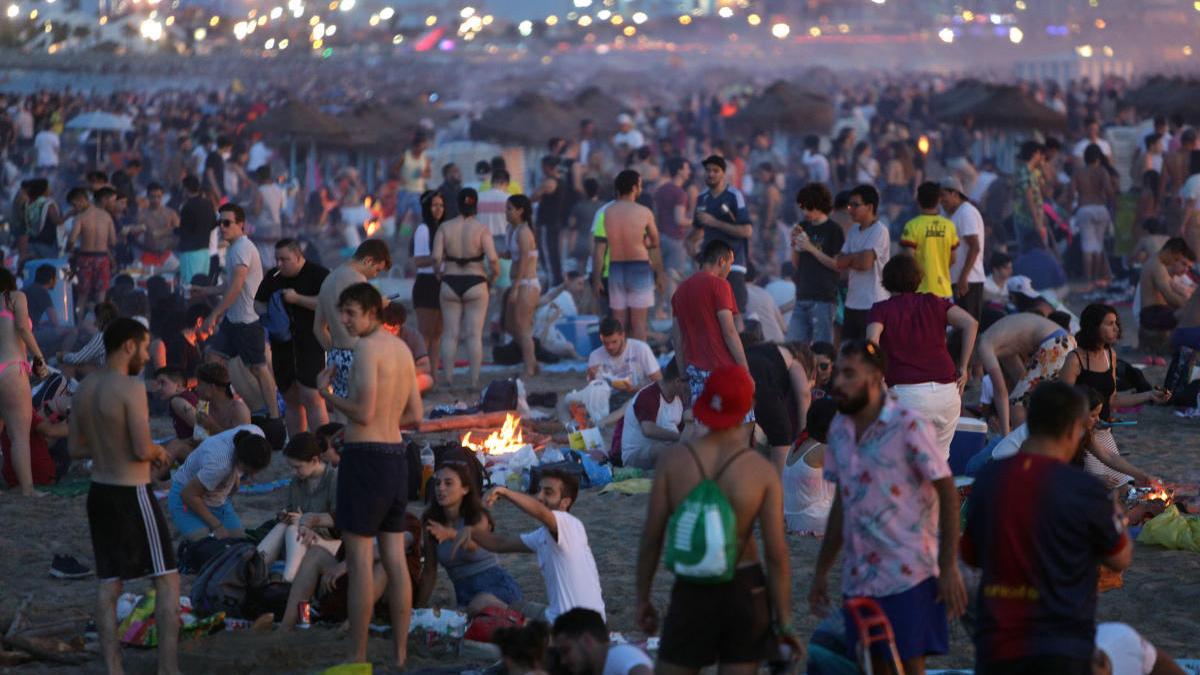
{"x":624,"y":118}
{"x":1022,"y":285}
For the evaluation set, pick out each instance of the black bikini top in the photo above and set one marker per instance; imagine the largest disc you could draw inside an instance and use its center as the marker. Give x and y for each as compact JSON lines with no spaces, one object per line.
{"x":466,"y":261}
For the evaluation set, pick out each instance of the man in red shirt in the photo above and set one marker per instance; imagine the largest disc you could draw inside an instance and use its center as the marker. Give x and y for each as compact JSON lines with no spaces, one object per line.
{"x":704,"y":334}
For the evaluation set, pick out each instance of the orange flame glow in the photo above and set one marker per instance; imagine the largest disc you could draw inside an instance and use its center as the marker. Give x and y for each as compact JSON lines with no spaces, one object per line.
{"x":505,"y":441}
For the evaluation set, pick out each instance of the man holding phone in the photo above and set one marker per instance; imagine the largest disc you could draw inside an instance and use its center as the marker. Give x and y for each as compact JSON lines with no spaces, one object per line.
{"x":815,"y":245}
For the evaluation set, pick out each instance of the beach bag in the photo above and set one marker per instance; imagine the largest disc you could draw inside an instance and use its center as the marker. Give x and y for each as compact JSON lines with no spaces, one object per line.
{"x":194,"y":555}
{"x":701,"y":545}
{"x":228,"y":580}
{"x":491,"y":619}
{"x":499,"y":396}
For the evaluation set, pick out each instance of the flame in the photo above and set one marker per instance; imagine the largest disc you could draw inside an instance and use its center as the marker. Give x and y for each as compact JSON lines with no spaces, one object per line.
{"x":1160,"y":494}
{"x":505,"y":441}
{"x":371,"y":227}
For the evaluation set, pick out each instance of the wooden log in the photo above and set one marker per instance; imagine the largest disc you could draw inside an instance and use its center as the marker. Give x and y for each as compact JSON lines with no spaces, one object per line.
{"x":16,"y":622}
{"x":32,"y":646}
{"x":492,"y":420}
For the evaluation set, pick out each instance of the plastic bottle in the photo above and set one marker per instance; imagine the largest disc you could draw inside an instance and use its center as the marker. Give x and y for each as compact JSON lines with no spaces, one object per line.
{"x":427,"y":459}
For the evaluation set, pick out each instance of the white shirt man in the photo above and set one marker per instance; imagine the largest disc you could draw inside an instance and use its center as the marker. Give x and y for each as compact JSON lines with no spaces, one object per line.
{"x":567,"y":566}
{"x":634,"y":364}
{"x":46,"y":144}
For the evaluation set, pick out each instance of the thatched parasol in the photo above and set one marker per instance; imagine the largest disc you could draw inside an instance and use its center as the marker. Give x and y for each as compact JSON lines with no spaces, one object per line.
{"x":530,"y":119}
{"x":786,"y":107}
{"x":373,"y":125}
{"x":295,"y":121}
{"x":1004,"y":107}
{"x":592,"y":103}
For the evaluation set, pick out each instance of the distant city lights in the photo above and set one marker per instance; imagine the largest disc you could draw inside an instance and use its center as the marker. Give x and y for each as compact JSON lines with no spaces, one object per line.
{"x":1015,"y":35}
{"x":946,"y":35}
{"x":525,"y":28}
{"x":753,"y":19}
{"x":725,"y":12}
{"x":781,"y":30}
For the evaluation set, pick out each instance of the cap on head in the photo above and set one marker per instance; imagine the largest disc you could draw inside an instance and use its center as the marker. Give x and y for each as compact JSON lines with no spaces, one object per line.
{"x":727,"y":396}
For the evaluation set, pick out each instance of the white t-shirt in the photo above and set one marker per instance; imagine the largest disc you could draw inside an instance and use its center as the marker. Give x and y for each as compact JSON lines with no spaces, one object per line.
{"x":1129,"y":652}
{"x":866,"y":287}
{"x":635,"y":365}
{"x":632,"y":138}
{"x":1190,"y":191}
{"x":994,"y":292}
{"x":567,"y":566}
{"x":260,"y":154}
{"x":243,"y":252}
{"x":817,"y":166}
{"x":270,"y":221}
{"x":623,"y":658}
{"x":760,"y":305}
{"x":213,"y":464}
{"x":1082,"y":147}
{"x":968,"y":221}
{"x":422,"y":246}
{"x":46,"y":144}
{"x":491,"y":211}
{"x":643,"y":408}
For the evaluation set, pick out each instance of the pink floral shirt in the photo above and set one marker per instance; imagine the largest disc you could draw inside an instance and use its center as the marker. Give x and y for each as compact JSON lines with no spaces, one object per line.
{"x":889,"y":505}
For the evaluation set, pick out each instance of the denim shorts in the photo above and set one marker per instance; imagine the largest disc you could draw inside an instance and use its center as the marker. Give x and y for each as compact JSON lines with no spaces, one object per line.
{"x":245,"y":340}
{"x":493,"y":580}
{"x":630,"y":285}
{"x":189,"y":523}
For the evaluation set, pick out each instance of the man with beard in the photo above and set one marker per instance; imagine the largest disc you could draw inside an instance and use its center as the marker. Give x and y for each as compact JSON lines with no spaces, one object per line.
{"x":584,"y":647}
{"x":891,"y":474}
{"x":130,"y":538}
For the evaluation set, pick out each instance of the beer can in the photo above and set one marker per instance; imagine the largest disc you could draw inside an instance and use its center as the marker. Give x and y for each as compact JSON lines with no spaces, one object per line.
{"x":304,"y":610}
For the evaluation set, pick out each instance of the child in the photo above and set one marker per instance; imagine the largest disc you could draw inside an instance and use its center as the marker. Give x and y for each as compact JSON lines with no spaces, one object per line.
{"x":308,"y":519}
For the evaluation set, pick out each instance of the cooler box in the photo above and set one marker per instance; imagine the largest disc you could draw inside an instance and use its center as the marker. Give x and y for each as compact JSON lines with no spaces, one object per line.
{"x":583,"y":331}
{"x":970,"y":437}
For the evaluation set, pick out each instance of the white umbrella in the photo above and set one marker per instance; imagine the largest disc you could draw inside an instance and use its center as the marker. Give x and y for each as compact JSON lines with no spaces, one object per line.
{"x":100,"y":122}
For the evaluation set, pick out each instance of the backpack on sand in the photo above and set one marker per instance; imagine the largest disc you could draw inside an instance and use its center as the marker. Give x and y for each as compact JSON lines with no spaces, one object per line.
{"x":228,"y":581}
{"x":701,"y":545}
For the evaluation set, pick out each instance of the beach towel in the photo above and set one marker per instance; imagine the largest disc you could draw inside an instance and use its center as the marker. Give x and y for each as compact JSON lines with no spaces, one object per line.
{"x":631,"y":486}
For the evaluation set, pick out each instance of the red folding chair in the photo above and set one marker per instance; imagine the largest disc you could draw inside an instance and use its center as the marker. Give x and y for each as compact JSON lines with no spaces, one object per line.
{"x":874,"y":630}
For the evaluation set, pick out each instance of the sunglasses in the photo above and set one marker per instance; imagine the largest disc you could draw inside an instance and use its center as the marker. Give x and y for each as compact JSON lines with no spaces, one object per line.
{"x":226,"y":223}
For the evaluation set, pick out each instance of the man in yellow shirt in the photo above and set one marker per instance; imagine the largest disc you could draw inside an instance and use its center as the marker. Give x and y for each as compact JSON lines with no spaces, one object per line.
{"x":933,"y":240}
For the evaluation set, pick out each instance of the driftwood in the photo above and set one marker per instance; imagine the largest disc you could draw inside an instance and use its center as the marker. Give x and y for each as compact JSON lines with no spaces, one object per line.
{"x":16,"y":622}
{"x":41,"y":648}
{"x":492,"y":420}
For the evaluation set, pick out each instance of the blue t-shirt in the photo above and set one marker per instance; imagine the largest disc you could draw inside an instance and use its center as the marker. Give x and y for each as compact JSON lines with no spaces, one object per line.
{"x":1041,"y":268}
{"x":1037,"y":528}
{"x":729,"y":206}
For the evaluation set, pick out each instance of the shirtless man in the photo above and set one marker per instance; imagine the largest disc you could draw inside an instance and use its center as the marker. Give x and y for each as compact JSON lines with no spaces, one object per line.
{"x":130,"y":538}
{"x":219,"y":410}
{"x":372,"y":489}
{"x":1030,"y":348}
{"x":635,"y":271}
{"x":157,"y":224}
{"x":1160,"y":299}
{"x":370,"y":259}
{"x":1094,"y":187}
{"x":96,"y":237}
{"x":728,"y":622}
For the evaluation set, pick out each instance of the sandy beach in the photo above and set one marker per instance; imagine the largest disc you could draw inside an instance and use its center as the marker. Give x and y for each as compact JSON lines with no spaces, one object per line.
{"x":1159,"y":597}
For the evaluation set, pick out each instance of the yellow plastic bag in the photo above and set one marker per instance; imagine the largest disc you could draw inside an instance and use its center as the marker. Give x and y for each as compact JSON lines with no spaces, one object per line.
{"x":1171,"y":529}
{"x":348,"y":669}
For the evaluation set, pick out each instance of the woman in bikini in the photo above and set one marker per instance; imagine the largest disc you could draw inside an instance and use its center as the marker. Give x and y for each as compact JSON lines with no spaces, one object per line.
{"x":460,"y":248}
{"x":526,"y":290}
{"x":16,"y":399}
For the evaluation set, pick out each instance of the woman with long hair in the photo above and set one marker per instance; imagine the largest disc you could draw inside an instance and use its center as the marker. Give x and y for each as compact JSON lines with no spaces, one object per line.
{"x":462,"y":245}
{"x":457,"y":508}
{"x":910,"y":327}
{"x":425,"y":294}
{"x":1094,"y":364}
{"x":783,"y":377}
{"x":526,"y":290}
{"x":841,"y":154}
{"x":16,"y":399}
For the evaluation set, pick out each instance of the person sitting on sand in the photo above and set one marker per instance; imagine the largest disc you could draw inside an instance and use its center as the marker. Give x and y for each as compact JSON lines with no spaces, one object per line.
{"x":1120,"y":650}
{"x":628,"y":364}
{"x":307,"y":520}
{"x":653,"y":420}
{"x":1030,"y":349}
{"x":1159,"y":296}
{"x":561,"y":544}
{"x":219,"y":410}
{"x":479,"y":580}
{"x":807,"y":496}
{"x":584,"y":647}
{"x":523,"y":648}
{"x":171,"y":386}
{"x":395,"y":317}
{"x":322,"y":578}
{"x":200,"y":499}
{"x":331,"y":437}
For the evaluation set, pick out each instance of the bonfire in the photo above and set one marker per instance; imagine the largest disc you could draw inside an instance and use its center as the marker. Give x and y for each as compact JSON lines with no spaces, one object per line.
{"x":506,"y":440}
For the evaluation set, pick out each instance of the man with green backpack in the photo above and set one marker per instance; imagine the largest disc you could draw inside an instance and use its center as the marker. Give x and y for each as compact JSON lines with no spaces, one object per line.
{"x":707,"y":496}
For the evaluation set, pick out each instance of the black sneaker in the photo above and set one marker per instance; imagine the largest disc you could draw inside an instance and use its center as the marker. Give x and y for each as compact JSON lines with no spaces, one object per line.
{"x":67,"y":567}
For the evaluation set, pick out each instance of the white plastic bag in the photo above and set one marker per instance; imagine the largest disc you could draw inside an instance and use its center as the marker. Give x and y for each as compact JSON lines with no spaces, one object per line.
{"x":594,"y":396}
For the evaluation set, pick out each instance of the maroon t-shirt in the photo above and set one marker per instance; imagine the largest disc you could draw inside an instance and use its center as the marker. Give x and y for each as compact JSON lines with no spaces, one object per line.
{"x":666,"y":198}
{"x":695,"y":304}
{"x":914,"y":338}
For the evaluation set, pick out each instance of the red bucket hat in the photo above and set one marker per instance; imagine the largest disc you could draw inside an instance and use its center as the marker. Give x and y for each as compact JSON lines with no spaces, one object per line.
{"x":728,"y":395}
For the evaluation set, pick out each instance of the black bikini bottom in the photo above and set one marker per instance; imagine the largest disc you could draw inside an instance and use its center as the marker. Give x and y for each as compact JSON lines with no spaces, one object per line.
{"x":461,"y":283}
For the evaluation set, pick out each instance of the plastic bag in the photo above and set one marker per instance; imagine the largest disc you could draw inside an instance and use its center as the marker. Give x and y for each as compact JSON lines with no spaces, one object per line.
{"x":1171,"y":529}
{"x":594,"y":396}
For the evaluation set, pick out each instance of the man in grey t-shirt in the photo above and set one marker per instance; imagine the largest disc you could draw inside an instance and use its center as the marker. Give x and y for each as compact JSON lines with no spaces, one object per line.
{"x":240,"y":333}
{"x":867,"y":249}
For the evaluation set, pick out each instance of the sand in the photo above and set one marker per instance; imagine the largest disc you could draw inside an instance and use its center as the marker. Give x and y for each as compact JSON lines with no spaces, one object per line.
{"x":1159,"y":598}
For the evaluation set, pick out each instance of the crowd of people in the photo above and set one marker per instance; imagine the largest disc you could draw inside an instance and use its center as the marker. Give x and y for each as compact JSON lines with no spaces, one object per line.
{"x":832,"y":306}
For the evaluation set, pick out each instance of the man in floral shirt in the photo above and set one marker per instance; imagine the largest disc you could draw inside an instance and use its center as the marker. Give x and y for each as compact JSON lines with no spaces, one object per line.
{"x":1028,"y":217}
{"x":894,"y":488}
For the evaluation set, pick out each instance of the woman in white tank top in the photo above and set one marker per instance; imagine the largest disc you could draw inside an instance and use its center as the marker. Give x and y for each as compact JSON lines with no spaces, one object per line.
{"x":807,"y":496}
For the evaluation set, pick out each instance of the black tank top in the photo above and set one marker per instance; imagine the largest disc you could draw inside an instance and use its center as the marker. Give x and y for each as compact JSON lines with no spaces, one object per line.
{"x":552,"y":210}
{"x":1104,"y":382}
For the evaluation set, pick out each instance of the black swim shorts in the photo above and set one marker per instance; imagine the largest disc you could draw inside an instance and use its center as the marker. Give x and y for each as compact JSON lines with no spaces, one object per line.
{"x":372,"y":490}
{"x":717,"y":623}
{"x":130,"y":538}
